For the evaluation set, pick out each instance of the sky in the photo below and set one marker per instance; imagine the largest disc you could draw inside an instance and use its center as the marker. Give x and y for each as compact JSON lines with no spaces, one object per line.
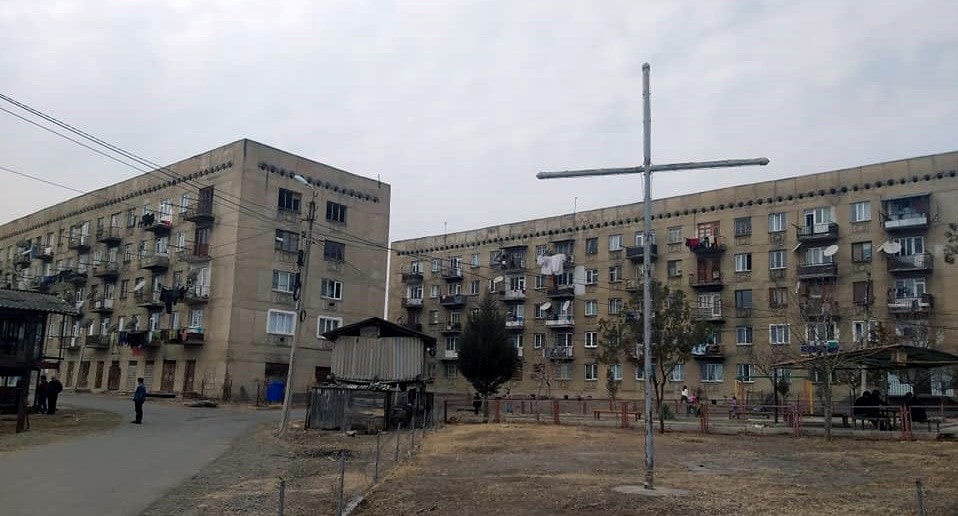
{"x":458,"y":104}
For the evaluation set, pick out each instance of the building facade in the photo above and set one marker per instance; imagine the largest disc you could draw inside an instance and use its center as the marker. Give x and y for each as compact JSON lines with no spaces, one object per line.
{"x":187,"y":275}
{"x":825,"y":259}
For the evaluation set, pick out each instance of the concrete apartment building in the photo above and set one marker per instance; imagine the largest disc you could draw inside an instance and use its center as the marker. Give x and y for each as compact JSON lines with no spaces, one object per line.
{"x":186,"y":275}
{"x":752,"y":259}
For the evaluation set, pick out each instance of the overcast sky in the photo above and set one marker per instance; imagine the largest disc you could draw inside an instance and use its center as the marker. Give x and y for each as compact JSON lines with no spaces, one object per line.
{"x":459,"y":104}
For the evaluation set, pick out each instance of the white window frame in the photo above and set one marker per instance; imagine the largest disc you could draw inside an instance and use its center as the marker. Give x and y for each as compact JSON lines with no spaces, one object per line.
{"x":538,"y":340}
{"x":591,"y":339}
{"x":615,"y":371}
{"x":743,"y":262}
{"x":677,"y":373}
{"x":744,"y":335}
{"x":270,"y":324}
{"x":322,"y":321}
{"x":434,"y":291}
{"x":591,"y":307}
{"x":337,"y":286}
{"x":436,"y":264}
{"x":475,"y":261}
{"x":591,"y":276}
{"x":712,"y":372}
{"x":615,"y":305}
{"x":675,"y":235}
{"x":777,"y":259}
{"x":778,"y":334}
{"x":615,"y":243}
{"x":591,"y":372}
{"x":196,"y":318}
{"x":861,"y":211}
{"x":749,"y":373}
{"x":290,"y":282}
{"x":777,"y":222}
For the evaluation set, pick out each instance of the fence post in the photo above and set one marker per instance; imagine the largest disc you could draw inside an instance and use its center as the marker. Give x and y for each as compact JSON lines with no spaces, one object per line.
{"x":625,"y":414}
{"x":496,"y":418}
{"x":379,"y":439}
{"x":413,"y":432}
{"x":555,"y":411}
{"x":282,"y":496}
{"x":398,"y":438}
{"x":342,"y":483}
{"x":920,"y":498}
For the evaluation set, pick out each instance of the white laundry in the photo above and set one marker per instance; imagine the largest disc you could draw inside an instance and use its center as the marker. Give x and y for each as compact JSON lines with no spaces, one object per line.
{"x":543,"y":262}
{"x":551,"y":265}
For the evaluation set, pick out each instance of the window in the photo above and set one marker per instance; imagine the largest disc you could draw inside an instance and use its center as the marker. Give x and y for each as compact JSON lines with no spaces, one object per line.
{"x":640,"y":238}
{"x":708,"y":230}
{"x":331,"y":289}
{"x":415,"y":266}
{"x":474,"y":287}
{"x":817,"y":217}
{"x":284,"y":281}
{"x":124,"y":288}
{"x":743,"y":373}
{"x":615,"y":372}
{"x":778,"y":334}
{"x":184,"y":203}
{"x":711,"y":372}
{"x":434,"y":317}
{"x":591,"y":339}
{"x":677,"y":374}
{"x":325,"y":324}
{"x":434,"y":291}
{"x":639,"y":372}
{"x":196,"y":318}
{"x":675,"y":235}
{"x":131,"y":218}
{"x":539,"y":313}
{"x":783,"y":375}
{"x":591,"y":245}
{"x":743,"y":335}
{"x":414,"y":292}
{"x":540,"y":281}
{"x":674,"y":268}
{"x":861,"y":292}
{"x":280,"y":322}
{"x":334,"y":251}
{"x":542,"y":249}
{"x":817,"y":256}
{"x":454,"y":289}
{"x":289,"y":200}
{"x":615,"y":274}
{"x":538,"y":340}
{"x":862,"y":252}
{"x":861,"y":211}
{"x":591,"y":276}
{"x":743,"y":226}
{"x":450,"y":370}
{"x":335,"y":212}
{"x":862,"y":332}
{"x":564,"y":340}
{"x":615,"y":243}
{"x":778,"y":297}
{"x":591,"y":307}
{"x":615,"y":305}
{"x":563,"y":372}
{"x":777,"y":259}
{"x":287,"y":241}
{"x":436,"y":264}
{"x":475,"y":260}
{"x":743,"y":262}
{"x":776,"y":222}
{"x":592,"y":371}
{"x":743,"y":299}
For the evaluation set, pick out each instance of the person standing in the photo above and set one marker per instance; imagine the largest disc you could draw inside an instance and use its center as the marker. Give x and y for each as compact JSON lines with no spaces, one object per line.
{"x":138,"y":398}
{"x":476,"y":403}
{"x":40,"y":401}
{"x":54,"y":388}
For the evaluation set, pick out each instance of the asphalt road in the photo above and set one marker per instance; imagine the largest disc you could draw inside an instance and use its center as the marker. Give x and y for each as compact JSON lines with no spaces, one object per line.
{"x":121,"y":471}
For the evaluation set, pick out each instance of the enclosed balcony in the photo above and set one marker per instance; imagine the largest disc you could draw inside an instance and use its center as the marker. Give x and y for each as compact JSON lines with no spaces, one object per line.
{"x":98,"y":341}
{"x":77,"y":278}
{"x":155,"y":261}
{"x":192,"y":337}
{"x":637,"y":254}
{"x":920,"y":263}
{"x":107,"y":271}
{"x":561,"y":292}
{"x":510,"y":259}
{"x":817,"y":233}
{"x":712,"y":313}
{"x":414,"y":277}
{"x":707,"y":281}
{"x":560,"y":353}
{"x":818,"y":271}
{"x":515,"y":323}
{"x":451,"y":329}
{"x":708,"y":350}
{"x":452,"y":275}
{"x":819,"y":347}
{"x":109,"y":236}
{"x":79,"y":243}
{"x":200,"y":212}
{"x":196,"y":294}
{"x":513,"y":296}
{"x":148,"y":298}
{"x":412,"y":302}
{"x":45,"y":253}
{"x":911,"y":305}
{"x":908,"y":213}
{"x":102,"y":306}
{"x":560,"y":321}
{"x":817,"y":308}
{"x":453,"y":300}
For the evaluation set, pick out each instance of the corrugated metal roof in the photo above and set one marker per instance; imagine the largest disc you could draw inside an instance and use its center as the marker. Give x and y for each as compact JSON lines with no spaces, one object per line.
{"x":386,"y":329}
{"x":34,"y":302}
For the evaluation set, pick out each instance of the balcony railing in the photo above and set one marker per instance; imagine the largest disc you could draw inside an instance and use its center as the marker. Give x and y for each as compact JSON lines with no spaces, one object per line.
{"x":637,"y":254}
{"x":906,"y":221}
{"x":109,"y":236}
{"x":509,"y":263}
{"x":823,"y":347}
{"x":412,"y":302}
{"x":513,"y":295}
{"x":199,"y":253}
{"x":817,"y":271}
{"x":79,"y":243}
{"x":706,"y":246}
{"x":921,"y":262}
{"x":192,"y":337}
{"x":98,"y":341}
{"x":452,"y":274}
{"x":107,"y":270}
{"x":817,"y":232}
{"x":157,"y":223}
{"x":196,"y":294}
{"x":709,"y":280}
{"x":78,"y":277}
{"x":562,"y":291}
{"x":45,"y":253}
{"x":707,"y":350}
{"x":515,"y":323}
{"x":199,"y":212}
{"x":148,"y":298}
{"x":911,"y":304}
{"x":412,"y":276}
{"x":451,"y":328}
{"x":560,"y":353}
{"x":560,"y":321}
{"x":450,"y":354}
{"x":103,"y":305}
{"x":709,"y":313}
{"x":453,"y":300}
{"x":155,"y":261}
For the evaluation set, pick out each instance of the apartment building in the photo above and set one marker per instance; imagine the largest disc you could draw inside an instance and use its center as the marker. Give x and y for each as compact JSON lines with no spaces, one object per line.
{"x":187,"y":275}
{"x":853,"y":248}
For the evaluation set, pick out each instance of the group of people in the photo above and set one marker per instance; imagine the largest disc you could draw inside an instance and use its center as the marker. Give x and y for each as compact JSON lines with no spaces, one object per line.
{"x":45,"y":401}
{"x":870,"y":406}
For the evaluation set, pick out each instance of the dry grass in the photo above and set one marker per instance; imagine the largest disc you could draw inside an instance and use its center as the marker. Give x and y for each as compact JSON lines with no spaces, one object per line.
{"x":68,"y":422}
{"x":531,"y":469}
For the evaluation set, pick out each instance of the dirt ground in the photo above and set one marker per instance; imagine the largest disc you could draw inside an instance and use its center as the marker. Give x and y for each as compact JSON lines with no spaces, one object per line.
{"x":547,"y":470}
{"x":67,"y":422}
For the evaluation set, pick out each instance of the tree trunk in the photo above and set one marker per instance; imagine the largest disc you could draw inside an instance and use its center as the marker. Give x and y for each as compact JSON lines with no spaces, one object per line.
{"x":827,"y":409}
{"x":659,"y":396}
{"x":485,"y":407}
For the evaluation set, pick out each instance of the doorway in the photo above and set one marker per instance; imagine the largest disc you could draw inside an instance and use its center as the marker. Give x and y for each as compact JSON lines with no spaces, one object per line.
{"x":98,"y":379}
{"x":188,"y":375}
{"x":113,"y":381}
{"x":168,"y":376}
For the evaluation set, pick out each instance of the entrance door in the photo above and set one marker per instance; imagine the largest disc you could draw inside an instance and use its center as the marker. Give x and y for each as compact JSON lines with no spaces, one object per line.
{"x":98,"y":380}
{"x":169,"y":374}
{"x":131,"y":375}
{"x":84,"y":378}
{"x":188,"y":376}
{"x":113,"y":381}
{"x":148,"y":375}
{"x":70,"y":367}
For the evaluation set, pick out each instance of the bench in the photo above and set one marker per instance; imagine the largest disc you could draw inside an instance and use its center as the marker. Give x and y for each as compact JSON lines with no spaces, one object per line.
{"x":788,"y":417}
{"x":597,"y":414}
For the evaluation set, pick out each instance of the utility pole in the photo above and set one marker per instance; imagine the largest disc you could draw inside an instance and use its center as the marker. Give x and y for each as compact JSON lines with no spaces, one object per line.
{"x":303,"y":263}
{"x":646,"y":169}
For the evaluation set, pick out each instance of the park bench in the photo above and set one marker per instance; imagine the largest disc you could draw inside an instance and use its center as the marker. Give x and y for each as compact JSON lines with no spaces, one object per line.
{"x":597,"y":414}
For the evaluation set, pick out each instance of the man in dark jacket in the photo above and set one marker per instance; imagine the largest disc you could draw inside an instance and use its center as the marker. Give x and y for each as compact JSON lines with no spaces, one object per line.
{"x":54,"y":388}
{"x":40,"y":401}
{"x":138,"y":398}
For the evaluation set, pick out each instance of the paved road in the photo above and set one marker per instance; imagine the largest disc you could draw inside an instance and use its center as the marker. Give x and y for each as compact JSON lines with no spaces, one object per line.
{"x":121,"y":471}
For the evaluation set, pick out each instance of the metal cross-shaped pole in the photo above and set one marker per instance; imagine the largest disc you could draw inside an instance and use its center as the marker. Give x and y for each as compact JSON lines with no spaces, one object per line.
{"x":646,"y":169}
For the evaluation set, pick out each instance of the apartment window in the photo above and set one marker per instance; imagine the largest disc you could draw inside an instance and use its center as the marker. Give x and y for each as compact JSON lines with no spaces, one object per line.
{"x":615,"y":305}
{"x":538,"y":340}
{"x":784,"y":375}
{"x":454,"y":289}
{"x":334,"y":251}
{"x":289,"y":200}
{"x":563,"y":372}
{"x":776,"y":222}
{"x":777,"y":259}
{"x":331,"y":289}
{"x":911,"y":245}
{"x":743,"y":299}
{"x":743,"y":335}
{"x":592,"y":371}
{"x":640,"y":238}
{"x":335,"y":212}
{"x":591,"y":339}
{"x":615,"y":243}
{"x":434,"y":291}
{"x":674,"y":268}
{"x":615,"y":372}
{"x":415,"y":266}
{"x":475,"y":260}
{"x":674,"y":235}
{"x":861,"y":293}
{"x":124,"y":288}
{"x":280,"y":322}
{"x":743,"y":373}
{"x":862,"y":252}
{"x":184,"y":203}
{"x":778,"y":297}
{"x":131,"y":218}
{"x":540,"y":281}
{"x":434,"y":317}
{"x":436,"y":264}
{"x":591,"y":307}
{"x":564,"y":340}
{"x":778,"y":334}
{"x":639,"y":372}
{"x":712,"y":372}
{"x":284,"y":281}
{"x":677,"y":374}
{"x":861,"y":332}
{"x":743,"y":262}
{"x":861,"y":211}
{"x":542,"y":249}
{"x":591,"y":245}
{"x":615,"y":274}
{"x":743,"y":226}
{"x":817,"y":256}
{"x":287,"y":241}
{"x":450,"y":370}
{"x":474,"y":287}
{"x":539,"y":313}
{"x":325,"y":324}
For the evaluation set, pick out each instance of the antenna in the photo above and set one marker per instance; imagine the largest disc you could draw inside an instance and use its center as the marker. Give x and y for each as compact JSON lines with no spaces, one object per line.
{"x":545,"y":306}
{"x":891,"y":247}
{"x":830,"y":250}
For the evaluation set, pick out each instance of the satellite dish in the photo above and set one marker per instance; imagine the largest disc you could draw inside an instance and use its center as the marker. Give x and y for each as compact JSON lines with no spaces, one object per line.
{"x":546,"y":306}
{"x":891,"y":247}
{"x":830,"y":250}
{"x":139,"y":286}
{"x":882,"y":247}
{"x":565,"y":306}
{"x":498,"y":279}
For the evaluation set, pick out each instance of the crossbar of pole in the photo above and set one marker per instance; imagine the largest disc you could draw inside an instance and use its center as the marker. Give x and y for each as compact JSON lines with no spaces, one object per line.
{"x":666,"y":167}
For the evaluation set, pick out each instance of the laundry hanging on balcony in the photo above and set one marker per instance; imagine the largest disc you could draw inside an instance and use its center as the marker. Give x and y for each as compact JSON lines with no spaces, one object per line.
{"x":551,"y":265}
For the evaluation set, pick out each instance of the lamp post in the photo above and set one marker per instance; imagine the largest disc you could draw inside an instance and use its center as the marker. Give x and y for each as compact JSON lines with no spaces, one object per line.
{"x":303,"y":266}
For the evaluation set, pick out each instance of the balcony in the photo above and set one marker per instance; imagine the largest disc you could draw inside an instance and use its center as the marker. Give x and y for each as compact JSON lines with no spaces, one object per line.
{"x":709,"y":313}
{"x":109,"y":236}
{"x":157,"y":224}
{"x":200,"y":212}
{"x":412,"y":302}
{"x":515,"y":323}
{"x":452,"y":275}
{"x":98,"y":341}
{"x":22,"y":261}
{"x":906,"y":217}
{"x":45,"y":253}
{"x":825,"y":347}
{"x":707,"y":281}
{"x":155,"y":261}
{"x":917,"y":305}
{"x":559,"y":353}
{"x":77,"y":278}
{"x":560,"y":321}
{"x":513,"y":296}
{"x":707,"y":351}
{"x":148,"y":298}
{"x":199,"y":253}
{"x":561,"y":292}
{"x":196,"y":294}
{"x":818,"y":271}
{"x":79,"y":243}
{"x":450,"y":354}
{"x":817,"y":233}
{"x":192,"y":337}
{"x":509,"y":263}
{"x":102,"y":306}
{"x":108,"y":271}
{"x":815,"y":309}
{"x":911,"y":264}
{"x":451,"y":329}
{"x":412,"y":277}
{"x":705,"y":247}
{"x":637,"y":254}
{"x":633,"y":285}
{"x":454,"y":300}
